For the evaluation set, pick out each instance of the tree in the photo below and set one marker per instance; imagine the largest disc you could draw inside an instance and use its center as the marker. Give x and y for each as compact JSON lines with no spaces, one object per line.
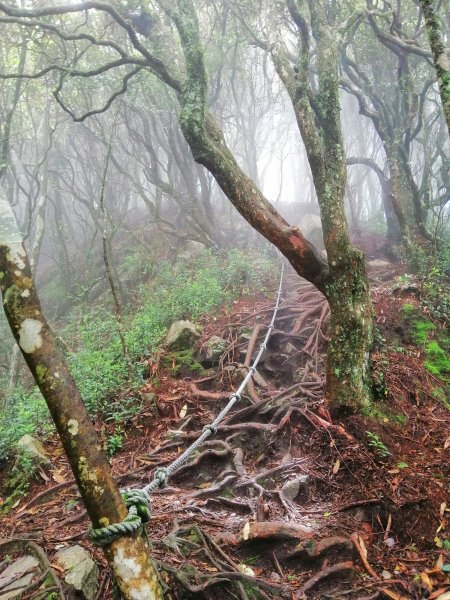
{"x":440,"y":56}
{"x":342,"y":278}
{"x":128,"y":555}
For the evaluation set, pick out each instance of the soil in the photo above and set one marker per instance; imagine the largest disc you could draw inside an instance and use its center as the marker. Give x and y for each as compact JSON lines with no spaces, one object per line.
{"x":369,"y":520}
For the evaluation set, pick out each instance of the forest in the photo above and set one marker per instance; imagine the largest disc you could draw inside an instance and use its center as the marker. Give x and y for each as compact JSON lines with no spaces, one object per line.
{"x":224,"y":273}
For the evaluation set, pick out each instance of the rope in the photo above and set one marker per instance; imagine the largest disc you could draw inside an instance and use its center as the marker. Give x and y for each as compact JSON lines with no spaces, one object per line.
{"x":138,"y":500}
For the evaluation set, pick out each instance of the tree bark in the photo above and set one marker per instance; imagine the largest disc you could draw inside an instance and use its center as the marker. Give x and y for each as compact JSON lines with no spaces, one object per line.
{"x":127,"y":556}
{"x":440,"y":57}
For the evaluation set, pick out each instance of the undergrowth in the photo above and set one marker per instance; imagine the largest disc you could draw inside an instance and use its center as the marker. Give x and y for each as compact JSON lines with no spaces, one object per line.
{"x":186,"y":290}
{"x":434,"y":341}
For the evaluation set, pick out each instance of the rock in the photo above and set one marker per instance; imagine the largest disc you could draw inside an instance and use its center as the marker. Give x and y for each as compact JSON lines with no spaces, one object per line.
{"x":290,"y":349}
{"x":212,"y":350}
{"x":80,"y":571}
{"x":238,"y":372}
{"x":193,"y":250}
{"x":148,"y":397}
{"x":29,"y":445}
{"x":17,"y":576}
{"x":291,"y":489}
{"x":182,"y":335}
{"x":311,"y":227}
{"x":379,"y":264}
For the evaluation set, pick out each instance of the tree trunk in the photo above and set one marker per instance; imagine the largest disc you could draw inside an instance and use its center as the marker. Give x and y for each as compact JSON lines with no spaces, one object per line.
{"x":127,"y":556}
{"x":440,"y":56}
{"x":343,"y":280}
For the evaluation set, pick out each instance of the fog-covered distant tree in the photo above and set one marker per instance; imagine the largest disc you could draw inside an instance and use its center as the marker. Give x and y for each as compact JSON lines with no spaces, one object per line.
{"x":395,"y":105}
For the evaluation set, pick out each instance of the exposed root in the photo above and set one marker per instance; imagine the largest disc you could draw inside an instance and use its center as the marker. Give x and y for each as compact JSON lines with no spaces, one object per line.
{"x":338,"y":569}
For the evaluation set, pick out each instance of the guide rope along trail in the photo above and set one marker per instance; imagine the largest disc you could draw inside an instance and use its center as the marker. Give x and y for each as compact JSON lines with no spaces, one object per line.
{"x":137,"y":500}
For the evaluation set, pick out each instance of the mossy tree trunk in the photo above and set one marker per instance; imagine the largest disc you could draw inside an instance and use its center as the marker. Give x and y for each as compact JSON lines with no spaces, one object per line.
{"x":127,"y":556}
{"x":343,"y":280}
{"x":440,"y":56}
{"x":317,"y":111}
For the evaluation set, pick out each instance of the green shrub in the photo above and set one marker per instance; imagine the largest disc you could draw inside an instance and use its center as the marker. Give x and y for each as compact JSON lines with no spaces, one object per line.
{"x":188,"y":289}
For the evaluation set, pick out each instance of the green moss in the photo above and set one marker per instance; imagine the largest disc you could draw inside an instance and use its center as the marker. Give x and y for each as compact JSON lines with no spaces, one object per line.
{"x":436,"y":346}
{"x":421,"y":330}
{"x":438,"y":360}
{"x":182,"y":363}
{"x":408,"y":308}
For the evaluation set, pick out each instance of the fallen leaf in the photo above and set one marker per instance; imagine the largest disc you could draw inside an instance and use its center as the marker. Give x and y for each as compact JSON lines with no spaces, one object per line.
{"x":426,"y":581}
{"x":444,"y":596}
{"x":246,"y":570}
{"x":392,"y":595}
{"x":362,"y":546}
{"x":246,"y":531}
{"x":58,"y":478}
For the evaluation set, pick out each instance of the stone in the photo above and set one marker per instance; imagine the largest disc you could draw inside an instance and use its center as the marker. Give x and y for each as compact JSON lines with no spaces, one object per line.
{"x":212,"y":350}
{"x":192,"y":250}
{"x":17,"y":576}
{"x":29,"y":445}
{"x":379,"y":264}
{"x":80,"y":571}
{"x":148,"y":397}
{"x":290,"y":349}
{"x":311,"y":227}
{"x":292,"y":488}
{"x":182,"y":335}
{"x":238,"y":372}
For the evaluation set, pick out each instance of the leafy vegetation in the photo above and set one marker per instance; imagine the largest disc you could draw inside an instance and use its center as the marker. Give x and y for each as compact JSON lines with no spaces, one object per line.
{"x":377,"y":445}
{"x":188,"y":289}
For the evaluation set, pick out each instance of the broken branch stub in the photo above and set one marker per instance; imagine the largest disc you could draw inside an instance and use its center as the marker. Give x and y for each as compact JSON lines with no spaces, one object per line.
{"x":128,"y":556}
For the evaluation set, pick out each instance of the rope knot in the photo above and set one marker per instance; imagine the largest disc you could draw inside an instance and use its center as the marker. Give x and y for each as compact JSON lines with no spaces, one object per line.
{"x":138,"y":504}
{"x":161,"y":476}
{"x":139,"y":499}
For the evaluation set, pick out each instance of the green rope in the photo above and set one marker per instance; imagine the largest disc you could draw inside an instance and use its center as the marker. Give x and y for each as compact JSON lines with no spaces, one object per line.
{"x":138,"y":504}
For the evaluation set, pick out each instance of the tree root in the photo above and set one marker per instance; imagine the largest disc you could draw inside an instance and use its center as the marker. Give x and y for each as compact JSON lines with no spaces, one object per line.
{"x":339,"y":568}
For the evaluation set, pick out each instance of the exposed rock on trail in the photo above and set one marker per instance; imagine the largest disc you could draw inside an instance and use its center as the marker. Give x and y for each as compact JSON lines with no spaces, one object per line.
{"x":182,"y":335}
{"x":80,"y":571}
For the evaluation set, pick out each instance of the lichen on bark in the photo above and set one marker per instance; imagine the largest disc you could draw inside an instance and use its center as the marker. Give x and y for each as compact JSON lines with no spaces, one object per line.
{"x":89,"y":464}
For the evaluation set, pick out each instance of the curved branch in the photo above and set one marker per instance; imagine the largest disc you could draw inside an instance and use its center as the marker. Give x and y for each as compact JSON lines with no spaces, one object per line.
{"x":97,"y":111}
{"x":67,"y":37}
{"x":153,"y":62}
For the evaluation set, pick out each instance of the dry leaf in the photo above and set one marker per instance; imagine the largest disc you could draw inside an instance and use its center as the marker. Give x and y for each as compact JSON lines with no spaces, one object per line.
{"x":426,"y":581}
{"x":392,"y":595}
{"x":362,"y":546}
{"x":442,"y":595}
{"x":58,"y":477}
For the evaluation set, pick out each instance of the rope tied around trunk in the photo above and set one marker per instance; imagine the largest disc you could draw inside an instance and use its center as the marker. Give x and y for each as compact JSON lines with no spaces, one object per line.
{"x":138,"y":500}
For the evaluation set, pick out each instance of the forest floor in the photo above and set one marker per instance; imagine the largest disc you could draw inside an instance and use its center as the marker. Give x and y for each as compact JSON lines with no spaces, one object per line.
{"x":286,"y":500}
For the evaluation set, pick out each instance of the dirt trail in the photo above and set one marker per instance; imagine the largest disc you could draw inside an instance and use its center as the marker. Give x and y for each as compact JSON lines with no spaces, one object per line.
{"x":285,"y":501}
